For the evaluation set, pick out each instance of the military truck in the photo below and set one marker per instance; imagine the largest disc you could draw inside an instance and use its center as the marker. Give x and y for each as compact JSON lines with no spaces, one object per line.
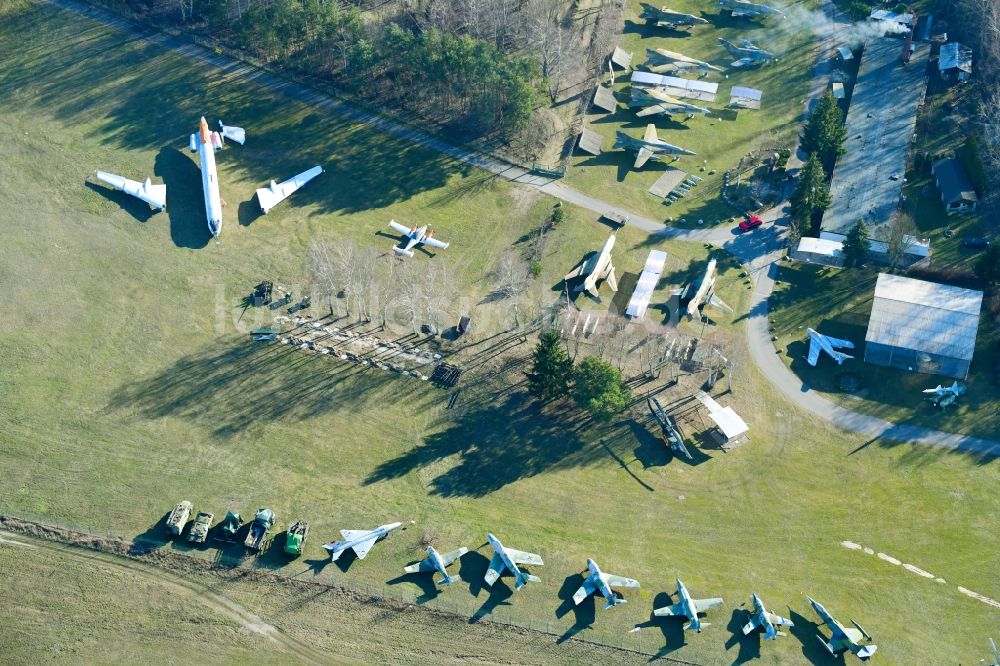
{"x":230,"y":525}
{"x":259,"y":528}
{"x":296,"y":537}
{"x":199,"y":528}
{"x":178,"y":517}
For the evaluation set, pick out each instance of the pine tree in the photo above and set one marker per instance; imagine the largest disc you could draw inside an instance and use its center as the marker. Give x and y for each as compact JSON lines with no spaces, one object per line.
{"x":551,"y":369}
{"x":825,"y":132}
{"x":598,"y":388}
{"x":810,"y":198}
{"x":856,"y":244}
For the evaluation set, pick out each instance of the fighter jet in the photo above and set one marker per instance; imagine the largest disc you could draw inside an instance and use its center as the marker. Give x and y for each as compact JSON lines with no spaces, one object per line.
{"x":663,"y":61}
{"x":844,"y":638}
{"x":668,"y":17}
{"x":689,"y":608}
{"x":705,"y":293}
{"x":509,"y":558}
{"x":668,"y":428}
{"x":205,"y":143}
{"x":416,"y":236}
{"x":748,"y":54}
{"x":761,"y":619}
{"x":819,"y":342}
{"x":649,"y":146}
{"x":597,"y":267}
{"x":654,"y":100}
{"x":747,"y":8}
{"x":361,"y":541}
{"x":945,"y":396}
{"x":598,"y":581}
{"x":438,"y":562}
{"x":275,"y":193}
{"x":154,"y":195}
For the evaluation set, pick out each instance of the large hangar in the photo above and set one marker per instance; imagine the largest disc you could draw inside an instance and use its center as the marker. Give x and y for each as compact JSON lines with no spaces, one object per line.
{"x":923,"y":326}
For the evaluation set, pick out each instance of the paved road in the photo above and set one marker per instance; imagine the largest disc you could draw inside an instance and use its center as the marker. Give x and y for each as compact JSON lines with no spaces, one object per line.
{"x":760,"y":250}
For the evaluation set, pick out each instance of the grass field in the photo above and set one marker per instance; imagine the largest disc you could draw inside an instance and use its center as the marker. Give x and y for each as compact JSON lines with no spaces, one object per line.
{"x":719,"y":142}
{"x":128,"y":394}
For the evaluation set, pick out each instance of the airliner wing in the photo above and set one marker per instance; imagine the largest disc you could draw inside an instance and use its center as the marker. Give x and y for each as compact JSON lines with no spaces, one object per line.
{"x":521,"y":557}
{"x":434,"y":242}
{"x":154,"y":195}
{"x":269,"y":197}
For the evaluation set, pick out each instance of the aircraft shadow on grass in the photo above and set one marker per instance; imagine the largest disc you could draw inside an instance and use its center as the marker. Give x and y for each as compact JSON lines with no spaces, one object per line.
{"x":671,"y":630}
{"x":137,"y":209}
{"x":424,"y":580}
{"x":472,"y":569}
{"x":749,"y":645}
{"x":583,"y":614}
{"x":185,"y":198}
{"x":806,"y":631}
{"x":248,"y":212}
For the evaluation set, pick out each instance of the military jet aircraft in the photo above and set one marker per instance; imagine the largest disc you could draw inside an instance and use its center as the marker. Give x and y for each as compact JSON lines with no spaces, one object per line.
{"x":663,"y":61}
{"x":270,"y":196}
{"x":416,"y":236}
{"x":705,"y":293}
{"x":597,"y":267}
{"x":761,"y":619}
{"x":689,"y":608}
{"x":154,"y":195}
{"x":649,"y":146}
{"x":747,"y":8}
{"x":748,"y":54}
{"x":598,"y":581}
{"x":668,"y":428}
{"x":361,"y":541}
{"x":438,"y":562}
{"x":654,"y":100}
{"x":819,"y":342}
{"x":844,"y":638}
{"x":668,"y":17}
{"x":509,"y":558}
{"x":945,"y":396}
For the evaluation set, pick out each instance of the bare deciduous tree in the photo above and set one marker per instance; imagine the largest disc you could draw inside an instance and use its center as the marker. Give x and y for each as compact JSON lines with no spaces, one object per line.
{"x":899,"y":236}
{"x":511,"y":279}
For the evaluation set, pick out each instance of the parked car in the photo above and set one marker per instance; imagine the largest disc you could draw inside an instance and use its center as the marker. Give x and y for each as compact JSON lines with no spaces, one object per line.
{"x":751,"y":223}
{"x":976,"y":243}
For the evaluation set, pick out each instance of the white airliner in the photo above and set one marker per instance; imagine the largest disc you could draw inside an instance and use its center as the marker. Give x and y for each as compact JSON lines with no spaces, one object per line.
{"x":416,"y":235}
{"x":205,"y":143}
{"x":154,"y":195}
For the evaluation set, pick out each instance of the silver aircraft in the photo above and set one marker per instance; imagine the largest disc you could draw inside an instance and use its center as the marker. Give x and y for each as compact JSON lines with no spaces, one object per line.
{"x":689,"y":608}
{"x":415,"y":236}
{"x":855,"y":639}
{"x":598,"y":581}
{"x":747,"y":8}
{"x":649,"y":146}
{"x":597,"y":267}
{"x":747,"y":53}
{"x":361,"y":541}
{"x":705,"y":293}
{"x":668,"y":17}
{"x":945,"y":396}
{"x":154,"y":195}
{"x":509,"y":558}
{"x":654,"y":100}
{"x":435,"y":561}
{"x":819,"y":342}
{"x":762,"y":619}
{"x":663,"y":61}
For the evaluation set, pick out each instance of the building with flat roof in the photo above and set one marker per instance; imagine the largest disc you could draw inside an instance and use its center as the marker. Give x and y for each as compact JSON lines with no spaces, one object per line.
{"x":922,"y":326}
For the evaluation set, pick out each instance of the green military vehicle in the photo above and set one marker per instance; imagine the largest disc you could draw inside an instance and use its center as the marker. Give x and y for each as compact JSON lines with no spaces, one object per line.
{"x":178,"y":517}
{"x":296,"y":537}
{"x":199,"y":528}
{"x":259,"y":528}
{"x":230,"y":525}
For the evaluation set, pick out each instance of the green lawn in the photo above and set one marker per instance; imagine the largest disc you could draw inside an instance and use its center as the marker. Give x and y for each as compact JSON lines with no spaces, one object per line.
{"x":129,"y":387}
{"x":719,"y":143}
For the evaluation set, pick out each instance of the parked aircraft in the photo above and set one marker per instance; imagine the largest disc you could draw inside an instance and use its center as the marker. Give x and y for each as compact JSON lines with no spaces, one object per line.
{"x":748,"y":54}
{"x":438,"y":562}
{"x":416,"y":236}
{"x":747,"y":8}
{"x":844,"y":638}
{"x":819,"y":342}
{"x":705,"y":293}
{"x":761,"y":619}
{"x":597,"y":267}
{"x":668,"y":428}
{"x":275,"y":193}
{"x":668,"y":17}
{"x":598,"y":581}
{"x":509,"y":558}
{"x":689,"y":608}
{"x":154,"y":195}
{"x":205,"y":143}
{"x":654,"y":100}
{"x":649,"y":146}
{"x":663,"y":61}
{"x":361,"y":541}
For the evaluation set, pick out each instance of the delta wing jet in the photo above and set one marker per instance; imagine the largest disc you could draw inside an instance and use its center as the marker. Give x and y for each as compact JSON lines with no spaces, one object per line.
{"x":689,"y":608}
{"x":415,"y":236}
{"x":654,"y":100}
{"x":154,"y":195}
{"x":761,"y":619}
{"x":663,"y":61}
{"x":705,"y":293}
{"x":270,"y":196}
{"x":649,"y":146}
{"x":597,"y":267}
{"x":747,"y":8}
{"x":668,"y":17}
{"x":747,"y":53}
{"x":598,"y":581}
{"x":819,"y":342}
{"x":855,"y":639}
{"x":360,"y":541}
{"x":435,"y":561}
{"x":509,"y":558}
{"x":205,"y":143}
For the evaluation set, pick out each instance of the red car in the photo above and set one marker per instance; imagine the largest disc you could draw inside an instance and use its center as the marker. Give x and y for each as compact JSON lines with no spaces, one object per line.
{"x":751,"y":223}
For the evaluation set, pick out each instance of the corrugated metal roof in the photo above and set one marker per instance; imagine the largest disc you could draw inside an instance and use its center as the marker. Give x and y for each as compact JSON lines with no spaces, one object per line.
{"x":729,"y":422}
{"x":925,"y":316}
{"x":674,"y":85}
{"x":821,"y":246}
{"x":955,"y":56}
{"x":647,"y":283}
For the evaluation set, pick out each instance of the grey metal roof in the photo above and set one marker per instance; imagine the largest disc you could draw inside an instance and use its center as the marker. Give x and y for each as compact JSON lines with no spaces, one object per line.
{"x":953,"y":181}
{"x":955,"y":56}
{"x":676,"y":86}
{"x":925,"y":316}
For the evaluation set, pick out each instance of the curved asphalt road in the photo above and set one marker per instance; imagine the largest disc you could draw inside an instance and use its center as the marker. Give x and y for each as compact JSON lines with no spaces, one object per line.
{"x":760,"y":250}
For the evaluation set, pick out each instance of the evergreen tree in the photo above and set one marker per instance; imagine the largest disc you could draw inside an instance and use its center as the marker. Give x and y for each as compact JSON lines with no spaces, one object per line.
{"x":598,"y":389}
{"x":988,"y":266}
{"x":825,"y":132}
{"x":810,"y":198}
{"x":856,"y":244}
{"x":551,"y":369}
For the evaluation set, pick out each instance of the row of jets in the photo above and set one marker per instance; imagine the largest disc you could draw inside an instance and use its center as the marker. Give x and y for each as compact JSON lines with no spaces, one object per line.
{"x":675,"y":20}
{"x":509,"y":560}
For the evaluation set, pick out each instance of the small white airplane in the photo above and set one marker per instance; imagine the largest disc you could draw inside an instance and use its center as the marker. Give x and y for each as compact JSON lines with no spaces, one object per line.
{"x":705,"y":293}
{"x":205,"y":143}
{"x":597,"y":267}
{"x":762,"y":619}
{"x":598,"y":581}
{"x":689,"y":608}
{"x":270,"y":196}
{"x":819,"y":342}
{"x":509,"y":558}
{"x":361,"y":541}
{"x":842,"y":638}
{"x":154,"y":195}
{"x":435,"y":561}
{"x":416,"y":236}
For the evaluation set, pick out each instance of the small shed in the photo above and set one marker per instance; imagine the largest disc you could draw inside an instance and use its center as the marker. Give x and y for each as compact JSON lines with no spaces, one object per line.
{"x":957,"y":193}
{"x":955,"y":62}
{"x":621,"y":59}
{"x":590,"y":141}
{"x":604,"y":99}
{"x":820,"y":251}
{"x":745,"y":98}
{"x":730,"y":429}
{"x":837,"y":88}
{"x":844,"y":54}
